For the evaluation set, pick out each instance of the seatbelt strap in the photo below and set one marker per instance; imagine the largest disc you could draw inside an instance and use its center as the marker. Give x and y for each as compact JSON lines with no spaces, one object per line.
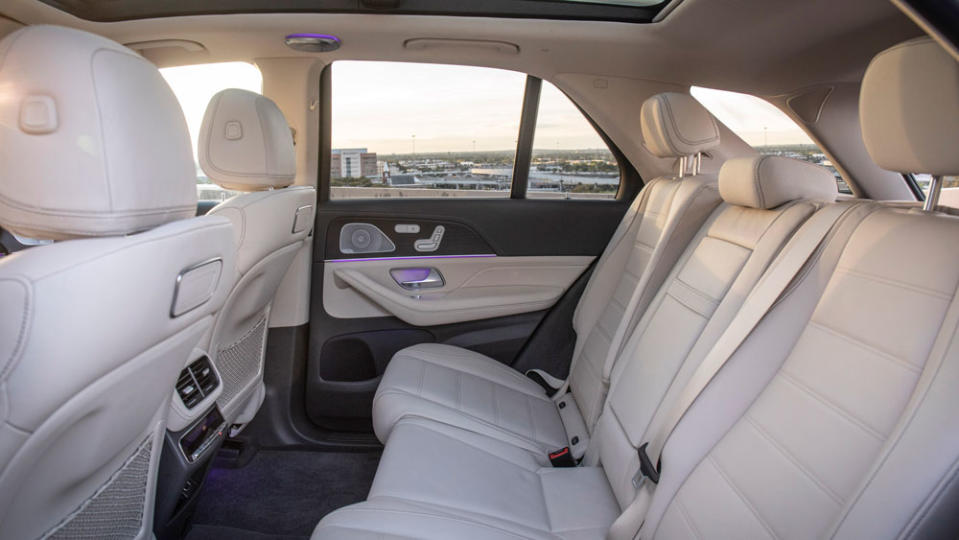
{"x":639,"y":202}
{"x":769,"y":289}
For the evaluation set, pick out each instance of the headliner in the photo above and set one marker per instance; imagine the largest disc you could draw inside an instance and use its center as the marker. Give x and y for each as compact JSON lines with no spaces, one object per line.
{"x":763,"y":47}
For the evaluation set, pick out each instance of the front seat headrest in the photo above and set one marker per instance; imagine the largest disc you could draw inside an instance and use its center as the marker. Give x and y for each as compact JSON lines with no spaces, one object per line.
{"x":909,"y":109}
{"x":92,"y":140}
{"x":766,"y":182}
{"x":676,"y":125}
{"x":245,"y":142}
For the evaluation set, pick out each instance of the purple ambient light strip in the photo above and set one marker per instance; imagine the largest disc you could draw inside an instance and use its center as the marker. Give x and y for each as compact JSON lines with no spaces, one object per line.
{"x":413,"y":258}
{"x":312,"y":35}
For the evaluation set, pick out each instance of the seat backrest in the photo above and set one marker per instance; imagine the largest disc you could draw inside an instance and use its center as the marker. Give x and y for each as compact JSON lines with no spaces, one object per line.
{"x":94,"y":328}
{"x":836,"y":416}
{"x":246,"y":145}
{"x":765,"y":199}
{"x":652,"y":234}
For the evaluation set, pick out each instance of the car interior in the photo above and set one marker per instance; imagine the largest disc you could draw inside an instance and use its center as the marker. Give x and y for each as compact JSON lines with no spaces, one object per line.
{"x":495,"y":269}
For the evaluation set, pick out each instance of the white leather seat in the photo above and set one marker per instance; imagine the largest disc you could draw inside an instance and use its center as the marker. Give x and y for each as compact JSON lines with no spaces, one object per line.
{"x":467,"y":389}
{"x":246,"y":145}
{"x":837,"y":416}
{"x":94,"y":329}
{"x":765,"y":200}
{"x":834,"y":418}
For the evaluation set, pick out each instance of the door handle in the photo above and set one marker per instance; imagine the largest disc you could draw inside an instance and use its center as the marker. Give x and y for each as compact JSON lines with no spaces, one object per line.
{"x":417,"y":278}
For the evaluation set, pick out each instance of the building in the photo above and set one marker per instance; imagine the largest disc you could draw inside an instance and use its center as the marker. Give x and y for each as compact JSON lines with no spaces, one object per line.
{"x":352,"y":163}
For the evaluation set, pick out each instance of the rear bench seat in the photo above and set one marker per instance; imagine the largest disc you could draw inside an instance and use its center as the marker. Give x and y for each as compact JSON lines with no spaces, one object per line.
{"x":834,"y":417}
{"x":467,"y":389}
{"x":425,"y":461}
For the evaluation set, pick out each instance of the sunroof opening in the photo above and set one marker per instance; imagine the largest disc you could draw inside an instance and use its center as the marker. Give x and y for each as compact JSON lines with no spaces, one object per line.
{"x":621,"y":2}
{"x":631,"y":11}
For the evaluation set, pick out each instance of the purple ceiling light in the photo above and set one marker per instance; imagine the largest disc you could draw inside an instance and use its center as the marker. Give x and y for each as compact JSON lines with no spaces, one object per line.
{"x":312,"y":42}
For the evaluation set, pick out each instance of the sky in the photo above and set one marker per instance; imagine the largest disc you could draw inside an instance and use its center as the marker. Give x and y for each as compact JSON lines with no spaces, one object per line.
{"x":755,"y":120}
{"x":382,"y":105}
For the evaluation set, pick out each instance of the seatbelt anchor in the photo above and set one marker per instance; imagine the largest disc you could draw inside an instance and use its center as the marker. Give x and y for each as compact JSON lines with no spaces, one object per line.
{"x":562,"y":458}
{"x":647,"y":471}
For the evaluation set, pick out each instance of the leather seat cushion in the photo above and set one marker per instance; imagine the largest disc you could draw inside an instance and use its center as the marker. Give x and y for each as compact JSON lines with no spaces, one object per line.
{"x":452,"y":470}
{"x":464,"y":388}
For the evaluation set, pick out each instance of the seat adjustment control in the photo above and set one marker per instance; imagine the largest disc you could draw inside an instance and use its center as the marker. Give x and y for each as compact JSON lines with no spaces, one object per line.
{"x":428,"y":245}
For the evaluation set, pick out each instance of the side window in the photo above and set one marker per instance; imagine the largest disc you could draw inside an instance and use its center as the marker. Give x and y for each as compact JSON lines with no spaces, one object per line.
{"x":764,"y":127}
{"x":423,"y":130}
{"x":194,"y":86}
{"x":570,"y":160}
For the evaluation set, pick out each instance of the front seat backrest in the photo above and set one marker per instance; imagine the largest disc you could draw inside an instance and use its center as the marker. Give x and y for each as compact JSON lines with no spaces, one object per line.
{"x":246,"y":145}
{"x":95,"y":328}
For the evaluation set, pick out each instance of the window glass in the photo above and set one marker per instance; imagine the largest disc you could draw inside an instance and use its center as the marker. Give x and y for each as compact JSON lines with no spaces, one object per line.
{"x":423,"y":130}
{"x":570,"y":160}
{"x":949,"y":196}
{"x":194,"y":86}
{"x":764,"y":127}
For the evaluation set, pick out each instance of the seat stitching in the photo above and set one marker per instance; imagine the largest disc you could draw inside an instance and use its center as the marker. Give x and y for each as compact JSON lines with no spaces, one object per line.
{"x":26,"y":317}
{"x":508,"y":372}
{"x":542,"y":490}
{"x":699,"y":292}
{"x":601,"y":330}
{"x":425,"y":514}
{"x":781,"y":448}
{"x":459,"y":390}
{"x":492,"y":393}
{"x":479,"y":449}
{"x":419,"y":388}
{"x":722,"y":474}
{"x":894,"y":282}
{"x":683,"y":303}
{"x":532,"y":422}
{"x":841,"y":412}
{"x":684,"y":513}
{"x":468,"y":414}
{"x":197,"y":228}
{"x":923,"y":391}
{"x":902,"y":362}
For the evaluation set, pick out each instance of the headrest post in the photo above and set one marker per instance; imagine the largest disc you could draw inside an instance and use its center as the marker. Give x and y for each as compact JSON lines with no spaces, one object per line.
{"x":698,"y":167}
{"x":682,"y":166}
{"x":932,"y":199}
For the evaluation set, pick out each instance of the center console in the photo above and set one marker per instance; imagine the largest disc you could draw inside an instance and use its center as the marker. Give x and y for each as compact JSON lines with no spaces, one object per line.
{"x":195,"y":432}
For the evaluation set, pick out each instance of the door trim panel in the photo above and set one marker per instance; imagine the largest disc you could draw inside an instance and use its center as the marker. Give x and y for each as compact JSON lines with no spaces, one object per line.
{"x":474,"y":287}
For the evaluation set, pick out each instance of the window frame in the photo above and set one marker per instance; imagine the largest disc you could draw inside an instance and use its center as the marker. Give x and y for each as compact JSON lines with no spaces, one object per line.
{"x":630,"y":181}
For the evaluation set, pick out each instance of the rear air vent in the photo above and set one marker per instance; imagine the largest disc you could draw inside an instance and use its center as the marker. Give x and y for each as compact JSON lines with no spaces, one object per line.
{"x":196,"y":381}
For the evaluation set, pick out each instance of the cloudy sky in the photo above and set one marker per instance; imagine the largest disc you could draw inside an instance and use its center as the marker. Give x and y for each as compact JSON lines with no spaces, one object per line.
{"x":382,"y":105}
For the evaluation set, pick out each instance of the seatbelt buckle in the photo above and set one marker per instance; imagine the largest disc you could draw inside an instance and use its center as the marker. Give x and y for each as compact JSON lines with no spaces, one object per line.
{"x":562,"y":458}
{"x":647,"y":471}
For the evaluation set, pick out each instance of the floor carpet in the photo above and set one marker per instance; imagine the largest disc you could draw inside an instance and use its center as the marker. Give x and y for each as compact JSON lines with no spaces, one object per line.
{"x":280,"y":495}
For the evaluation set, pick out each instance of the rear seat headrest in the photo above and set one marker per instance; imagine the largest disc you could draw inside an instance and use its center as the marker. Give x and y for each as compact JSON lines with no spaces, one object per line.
{"x":766,"y":182}
{"x":909,"y":109}
{"x":676,"y":125}
{"x":92,"y":140}
{"x":245,"y":143}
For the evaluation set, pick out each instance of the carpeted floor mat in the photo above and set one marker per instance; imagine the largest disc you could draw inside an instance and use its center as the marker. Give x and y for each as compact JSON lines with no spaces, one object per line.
{"x":280,"y":495}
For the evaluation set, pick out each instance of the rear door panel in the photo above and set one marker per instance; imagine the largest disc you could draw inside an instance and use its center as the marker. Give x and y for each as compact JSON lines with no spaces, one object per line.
{"x":498,"y":253}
